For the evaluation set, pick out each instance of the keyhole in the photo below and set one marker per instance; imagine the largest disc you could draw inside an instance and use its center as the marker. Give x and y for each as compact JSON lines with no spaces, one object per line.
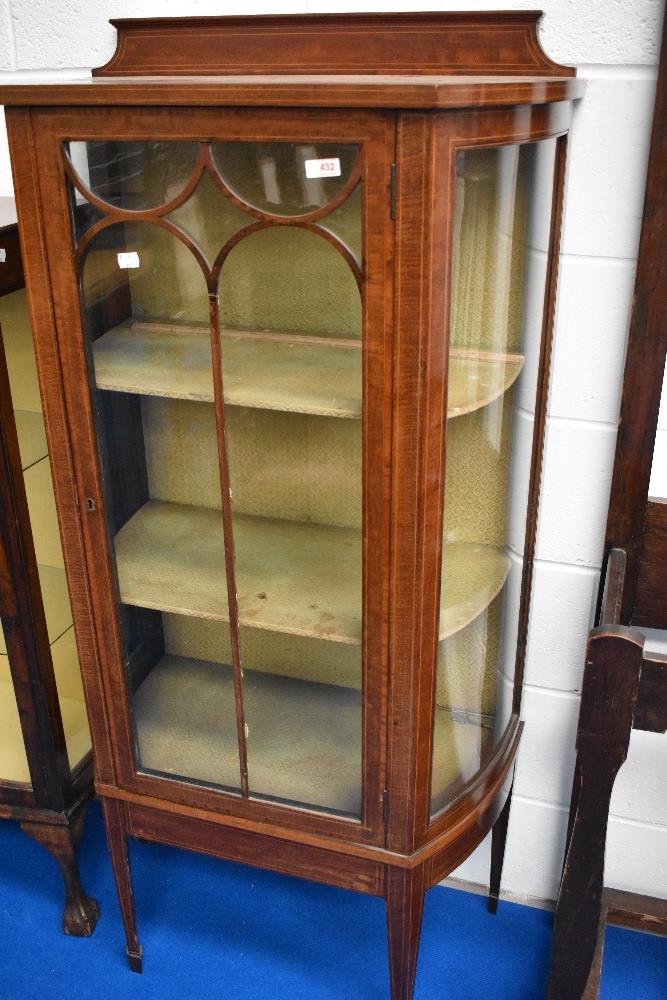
{"x":90,"y":503}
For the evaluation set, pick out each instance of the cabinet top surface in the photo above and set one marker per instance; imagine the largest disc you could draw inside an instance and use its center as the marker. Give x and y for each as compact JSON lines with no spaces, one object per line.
{"x":421,"y":60}
{"x":303,"y":90}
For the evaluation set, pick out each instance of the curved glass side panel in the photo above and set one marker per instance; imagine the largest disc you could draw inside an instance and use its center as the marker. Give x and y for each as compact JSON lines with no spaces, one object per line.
{"x":285,"y":178}
{"x":36,"y":470}
{"x":502,"y":215}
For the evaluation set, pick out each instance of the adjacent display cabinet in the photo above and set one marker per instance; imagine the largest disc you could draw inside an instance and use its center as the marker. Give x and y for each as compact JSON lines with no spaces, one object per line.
{"x":46,"y":774}
{"x":292,"y":285}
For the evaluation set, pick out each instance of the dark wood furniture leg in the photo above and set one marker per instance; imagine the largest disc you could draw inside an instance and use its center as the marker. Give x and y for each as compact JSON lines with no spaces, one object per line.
{"x":81,"y":912}
{"x":610,"y":688}
{"x":404,"y":895}
{"x":498,"y":842}
{"x":116,"y":827}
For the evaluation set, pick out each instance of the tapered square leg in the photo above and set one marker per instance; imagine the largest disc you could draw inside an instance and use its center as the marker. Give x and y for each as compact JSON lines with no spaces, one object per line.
{"x":115,"y":823}
{"x":404,"y":895}
{"x":81,"y":912}
{"x":498,"y":842}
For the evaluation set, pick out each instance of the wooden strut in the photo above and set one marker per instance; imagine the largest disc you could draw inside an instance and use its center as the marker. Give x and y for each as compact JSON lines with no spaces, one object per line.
{"x":622,"y":689}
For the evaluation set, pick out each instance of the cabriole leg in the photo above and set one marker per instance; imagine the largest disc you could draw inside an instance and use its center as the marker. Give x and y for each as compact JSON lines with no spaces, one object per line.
{"x":81,"y":912}
{"x":116,"y":827}
{"x":498,"y":842}
{"x":404,"y":895}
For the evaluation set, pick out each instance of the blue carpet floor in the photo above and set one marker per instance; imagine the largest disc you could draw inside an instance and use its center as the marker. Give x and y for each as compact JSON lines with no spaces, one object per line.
{"x":212,"y":930}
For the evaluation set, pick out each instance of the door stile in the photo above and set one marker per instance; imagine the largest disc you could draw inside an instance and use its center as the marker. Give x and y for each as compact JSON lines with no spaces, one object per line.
{"x":420,"y":385}
{"x":378,"y":354}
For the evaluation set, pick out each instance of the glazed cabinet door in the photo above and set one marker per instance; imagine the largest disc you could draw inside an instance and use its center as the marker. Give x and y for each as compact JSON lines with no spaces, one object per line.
{"x":221,"y":288}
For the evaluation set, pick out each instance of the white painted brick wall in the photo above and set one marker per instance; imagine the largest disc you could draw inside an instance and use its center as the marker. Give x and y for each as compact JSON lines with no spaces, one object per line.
{"x":613,"y":43}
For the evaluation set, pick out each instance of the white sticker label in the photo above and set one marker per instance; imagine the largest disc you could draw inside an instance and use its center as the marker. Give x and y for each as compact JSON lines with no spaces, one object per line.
{"x":323,"y":168}
{"x":3,"y":255}
{"x":130,"y":259}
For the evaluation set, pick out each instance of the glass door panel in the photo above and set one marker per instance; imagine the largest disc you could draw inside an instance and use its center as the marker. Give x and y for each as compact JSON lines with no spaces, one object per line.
{"x":225,"y":357}
{"x":22,"y":372}
{"x":293,"y":419}
{"x":145,"y":312}
{"x":287,"y":178}
{"x":502,"y":215}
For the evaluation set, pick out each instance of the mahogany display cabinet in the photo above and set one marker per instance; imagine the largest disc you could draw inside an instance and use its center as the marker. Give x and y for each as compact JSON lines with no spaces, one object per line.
{"x":46,"y":775}
{"x":292,"y":284}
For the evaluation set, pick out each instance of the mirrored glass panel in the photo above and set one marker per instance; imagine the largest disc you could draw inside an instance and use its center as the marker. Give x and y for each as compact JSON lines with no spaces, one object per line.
{"x":24,"y":387}
{"x":502,"y":213}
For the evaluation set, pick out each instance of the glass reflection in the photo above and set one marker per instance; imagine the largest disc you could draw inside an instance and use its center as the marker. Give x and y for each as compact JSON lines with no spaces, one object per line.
{"x":285,"y":178}
{"x":133,"y":176}
{"x":502,"y":213}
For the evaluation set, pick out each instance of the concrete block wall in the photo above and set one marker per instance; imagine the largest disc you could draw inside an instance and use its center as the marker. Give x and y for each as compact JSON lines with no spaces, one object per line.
{"x":614,"y":44}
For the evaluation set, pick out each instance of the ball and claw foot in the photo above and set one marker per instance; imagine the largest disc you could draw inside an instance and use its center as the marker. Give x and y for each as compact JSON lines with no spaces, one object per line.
{"x":80,"y":916}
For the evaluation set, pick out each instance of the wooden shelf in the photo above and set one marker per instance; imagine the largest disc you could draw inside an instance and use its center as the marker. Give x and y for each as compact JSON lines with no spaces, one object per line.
{"x":273,"y":371}
{"x":13,"y":761}
{"x":472,"y":577}
{"x":56,"y":603}
{"x":304,"y":739}
{"x":19,"y":351}
{"x":32,"y":437}
{"x":297,"y":578}
{"x":476,"y":378}
{"x":56,"y":600}
{"x":261,"y":370}
{"x":292,"y":577}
